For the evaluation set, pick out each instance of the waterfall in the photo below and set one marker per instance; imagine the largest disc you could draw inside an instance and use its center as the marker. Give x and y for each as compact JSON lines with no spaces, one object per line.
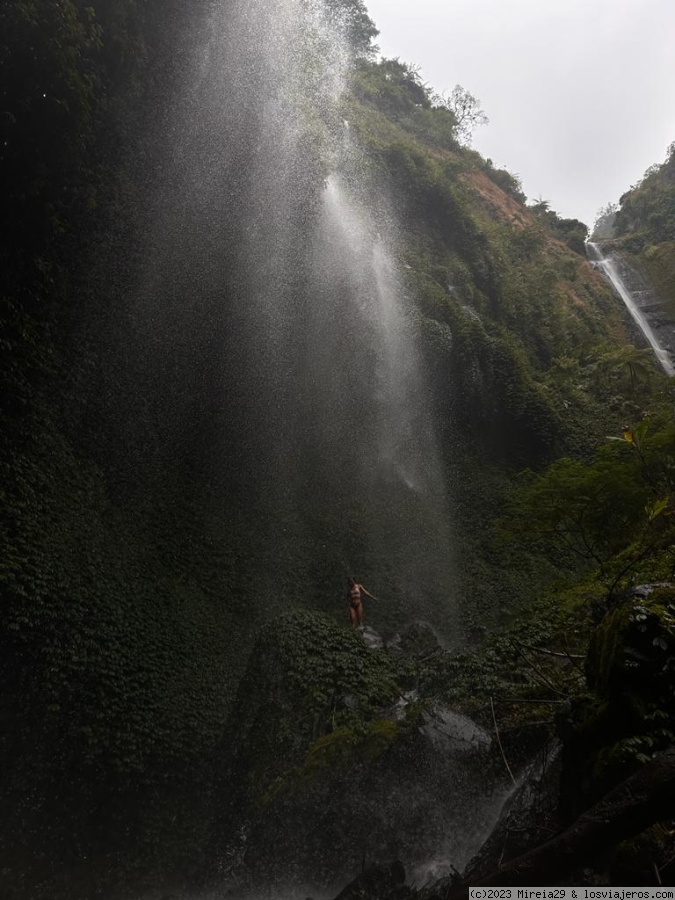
{"x":640,"y":301}
{"x":267,"y":230}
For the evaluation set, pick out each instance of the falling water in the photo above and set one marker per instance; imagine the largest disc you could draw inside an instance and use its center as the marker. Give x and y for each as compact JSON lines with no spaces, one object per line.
{"x":266,"y":231}
{"x":271,"y":288}
{"x":640,"y":302}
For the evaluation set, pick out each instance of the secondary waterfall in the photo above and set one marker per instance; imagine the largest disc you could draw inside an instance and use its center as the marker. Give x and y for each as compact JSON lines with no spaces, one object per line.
{"x":640,"y":301}
{"x":268,"y":233}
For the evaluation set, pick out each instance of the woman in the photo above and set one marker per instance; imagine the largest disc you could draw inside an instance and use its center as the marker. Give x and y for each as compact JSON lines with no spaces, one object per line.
{"x":355,"y":592}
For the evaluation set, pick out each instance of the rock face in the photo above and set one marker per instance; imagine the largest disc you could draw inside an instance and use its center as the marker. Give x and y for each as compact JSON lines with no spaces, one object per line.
{"x":352,"y":769}
{"x":371,"y":638}
{"x":418,"y":640}
{"x":529,"y":817}
{"x":628,"y":713}
{"x":453,"y":734}
{"x":650,"y":314}
{"x":338,"y":766}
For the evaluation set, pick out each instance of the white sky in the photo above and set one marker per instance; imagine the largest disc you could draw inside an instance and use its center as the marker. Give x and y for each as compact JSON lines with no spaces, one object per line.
{"x":580,"y":93}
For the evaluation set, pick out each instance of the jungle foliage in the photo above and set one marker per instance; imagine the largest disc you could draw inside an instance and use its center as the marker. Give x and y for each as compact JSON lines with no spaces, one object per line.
{"x":482,"y":269}
{"x":643,"y":226}
{"x":614,"y":512}
{"x":647,"y":211}
{"x":129,"y":603}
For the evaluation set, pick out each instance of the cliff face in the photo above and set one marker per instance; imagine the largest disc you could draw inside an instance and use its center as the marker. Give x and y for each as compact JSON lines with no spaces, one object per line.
{"x":495,"y":274}
{"x":144,"y":540}
{"x":644,"y":227}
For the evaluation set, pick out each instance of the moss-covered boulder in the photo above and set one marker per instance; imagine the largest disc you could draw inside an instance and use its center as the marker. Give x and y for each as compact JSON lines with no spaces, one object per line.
{"x":333,"y":762}
{"x":306,"y":677}
{"x":628,"y":714}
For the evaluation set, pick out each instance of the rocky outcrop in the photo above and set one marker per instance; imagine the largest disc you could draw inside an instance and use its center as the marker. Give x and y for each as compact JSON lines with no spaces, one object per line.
{"x":529,"y":818}
{"x":354,"y":767}
{"x":635,"y":804}
{"x":628,"y":713}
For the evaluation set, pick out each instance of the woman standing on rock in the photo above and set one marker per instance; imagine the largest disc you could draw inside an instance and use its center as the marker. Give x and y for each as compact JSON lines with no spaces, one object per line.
{"x":355,"y":593}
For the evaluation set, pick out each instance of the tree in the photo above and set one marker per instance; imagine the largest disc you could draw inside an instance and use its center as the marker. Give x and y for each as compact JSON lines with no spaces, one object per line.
{"x":467,"y":111}
{"x":603,"y":229}
{"x":615,"y":512}
{"x":359,"y":27}
{"x":626,"y":360}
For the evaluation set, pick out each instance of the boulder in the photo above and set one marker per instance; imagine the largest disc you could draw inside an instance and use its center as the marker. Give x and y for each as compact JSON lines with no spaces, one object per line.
{"x":454,"y":734}
{"x":419,"y":640}
{"x":371,"y":638}
{"x":628,"y":712}
{"x":334,"y":762}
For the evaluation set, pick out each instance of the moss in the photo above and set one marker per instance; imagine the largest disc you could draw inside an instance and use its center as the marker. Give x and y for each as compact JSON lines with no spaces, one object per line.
{"x":334,"y":754}
{"x":310,"y":683}
{"x":629,"y":715}
{"x":628,"y":655}
{"x":346,"y":745}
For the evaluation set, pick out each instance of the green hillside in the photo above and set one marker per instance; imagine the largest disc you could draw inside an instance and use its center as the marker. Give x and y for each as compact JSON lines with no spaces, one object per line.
{"x":644,"y":226}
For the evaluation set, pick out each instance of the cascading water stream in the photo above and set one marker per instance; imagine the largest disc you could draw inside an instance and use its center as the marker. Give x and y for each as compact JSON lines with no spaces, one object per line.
{"x":322,"y":450}
{"x":266,"y":227}
{"x":637,"y":300}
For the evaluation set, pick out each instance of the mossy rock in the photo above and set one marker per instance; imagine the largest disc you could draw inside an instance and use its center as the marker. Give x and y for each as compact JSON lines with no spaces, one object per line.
{"x":344,"y":744}
{"x":336,"y":754}
{"x":629,"y":713}
{"x":308,"y":679}
{"x":630,"y":659}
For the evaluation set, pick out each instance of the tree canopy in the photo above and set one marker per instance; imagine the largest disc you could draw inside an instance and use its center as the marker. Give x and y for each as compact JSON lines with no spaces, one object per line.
{"x":359,"y":27}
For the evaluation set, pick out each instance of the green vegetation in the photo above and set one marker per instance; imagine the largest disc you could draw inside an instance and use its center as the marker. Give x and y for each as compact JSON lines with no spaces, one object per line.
{"x":628,"y":715}
{"x":642,"y":226}
{"x":570,"y":231}
{"x":130,"y":597}
{"x":614,"y":513}
{"x":312,"y":691}
{"x":646,"y":214}
{"x":359,"y":27}
{"x":301,"y":669}
{"x":482,"y":268}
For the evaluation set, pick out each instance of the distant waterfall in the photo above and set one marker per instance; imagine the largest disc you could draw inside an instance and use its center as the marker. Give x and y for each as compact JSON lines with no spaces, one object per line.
{"x":640,"y":301}
{"x":267,"y":231}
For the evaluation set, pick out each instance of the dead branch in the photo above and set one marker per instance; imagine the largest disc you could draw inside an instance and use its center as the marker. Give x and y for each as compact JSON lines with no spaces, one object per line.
{"x":547,"y":683}
{"x":569,"y":656}
{"x":499,"y":741}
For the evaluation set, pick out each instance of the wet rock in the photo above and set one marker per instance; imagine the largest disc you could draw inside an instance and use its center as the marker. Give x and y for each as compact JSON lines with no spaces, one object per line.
{"x":400,"y":709}
{"x":451,"y":732}
{"x":644,"y":590}
{"x":400,"y":786}
{"x":371,"y":638}
{"x":529,"y":817}
{"x":419,"y":640}
{"x":347,"y":762}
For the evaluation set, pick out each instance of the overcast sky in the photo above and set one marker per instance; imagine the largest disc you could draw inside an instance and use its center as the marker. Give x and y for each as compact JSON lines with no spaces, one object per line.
{"x":580,"y":93}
